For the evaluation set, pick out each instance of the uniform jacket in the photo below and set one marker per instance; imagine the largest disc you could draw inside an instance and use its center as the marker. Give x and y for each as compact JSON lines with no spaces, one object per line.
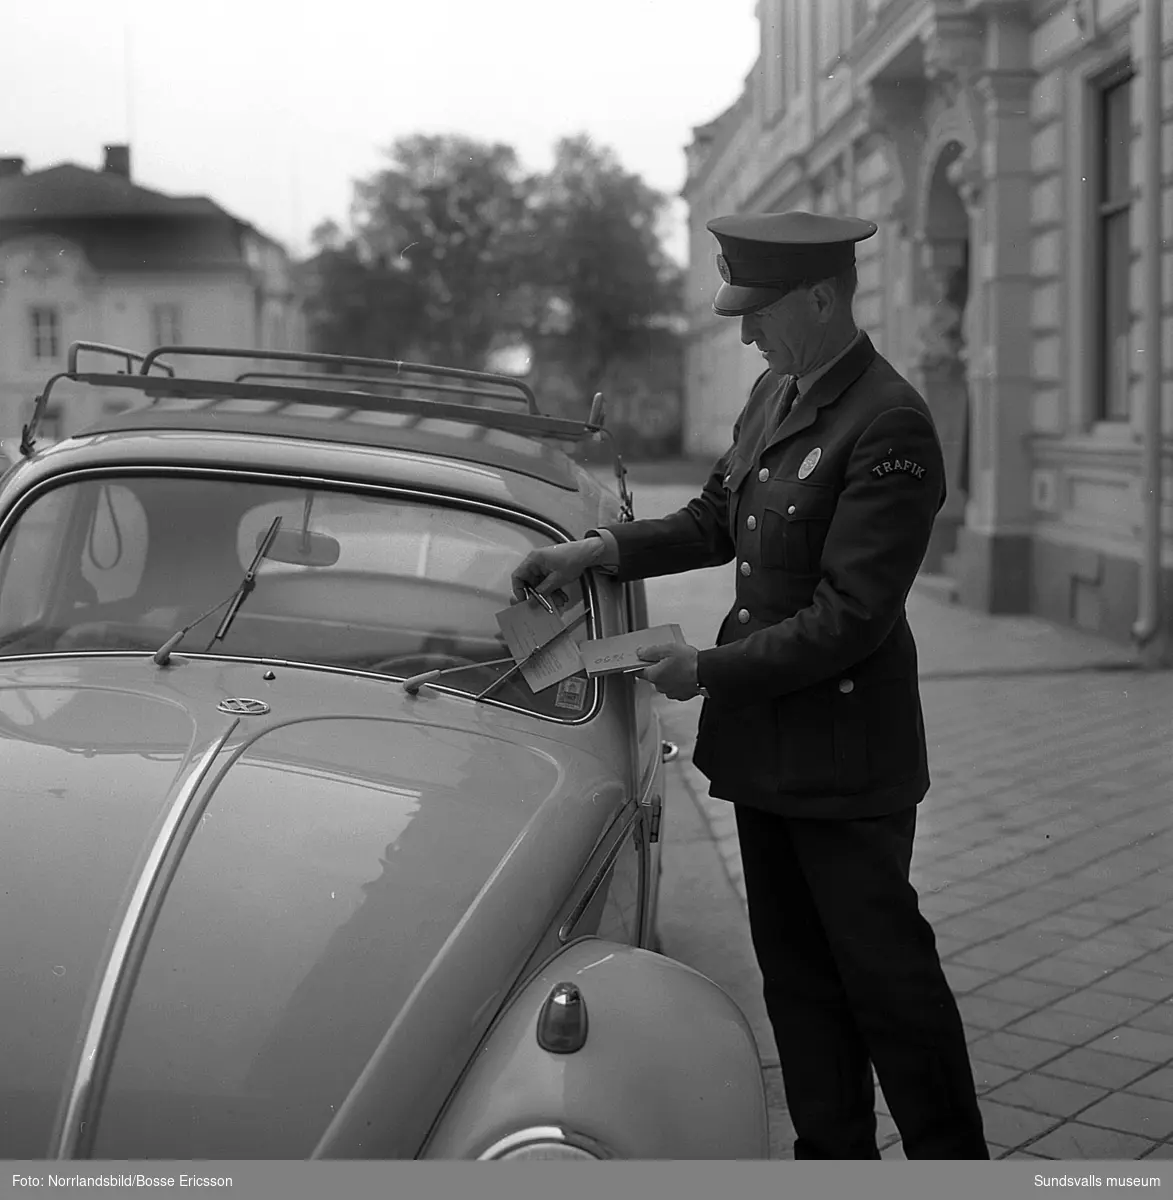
{"x":813,"y":704}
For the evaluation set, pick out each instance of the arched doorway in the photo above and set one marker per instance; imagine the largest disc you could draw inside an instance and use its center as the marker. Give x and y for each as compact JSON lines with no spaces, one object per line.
{"x":941,"y":358}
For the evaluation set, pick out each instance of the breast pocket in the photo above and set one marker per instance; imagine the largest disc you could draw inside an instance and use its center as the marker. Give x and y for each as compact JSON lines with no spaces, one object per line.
{"x":735,"y":475}
{"x":795,"y":520}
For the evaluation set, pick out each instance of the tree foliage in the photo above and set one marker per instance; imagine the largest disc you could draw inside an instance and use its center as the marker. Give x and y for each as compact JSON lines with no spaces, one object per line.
{"x":602,"y":272}
{"x":356,"y":304}
{"x":454,"y":252}
{"x":430,"y":262}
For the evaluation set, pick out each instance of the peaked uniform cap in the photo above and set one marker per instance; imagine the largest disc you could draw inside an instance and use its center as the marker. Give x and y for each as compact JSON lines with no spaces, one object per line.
{"x":765,"y":255}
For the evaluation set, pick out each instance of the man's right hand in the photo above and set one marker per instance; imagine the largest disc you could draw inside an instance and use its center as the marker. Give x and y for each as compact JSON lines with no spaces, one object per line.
{"x":549,"y":569}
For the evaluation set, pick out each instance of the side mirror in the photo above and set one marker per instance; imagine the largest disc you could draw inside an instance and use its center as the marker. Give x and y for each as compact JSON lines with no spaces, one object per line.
{"x":597,"y":413}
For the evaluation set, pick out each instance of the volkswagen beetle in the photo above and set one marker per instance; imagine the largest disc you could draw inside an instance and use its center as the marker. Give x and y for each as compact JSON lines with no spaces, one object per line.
{"x":295,"y":863}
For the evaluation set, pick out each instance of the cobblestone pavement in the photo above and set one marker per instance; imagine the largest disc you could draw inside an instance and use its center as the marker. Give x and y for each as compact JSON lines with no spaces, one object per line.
{"x":1044,"y":859}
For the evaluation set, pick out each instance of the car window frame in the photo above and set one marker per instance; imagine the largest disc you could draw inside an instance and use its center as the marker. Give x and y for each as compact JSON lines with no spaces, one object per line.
{"x":591,"y":594}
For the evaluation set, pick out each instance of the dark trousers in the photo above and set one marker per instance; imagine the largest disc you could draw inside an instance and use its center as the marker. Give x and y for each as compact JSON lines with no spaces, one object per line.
{"x":852,"y":978}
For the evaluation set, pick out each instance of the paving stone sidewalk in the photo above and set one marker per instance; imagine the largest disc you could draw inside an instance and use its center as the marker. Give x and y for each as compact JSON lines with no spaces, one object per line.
{"x":1044,"y":858}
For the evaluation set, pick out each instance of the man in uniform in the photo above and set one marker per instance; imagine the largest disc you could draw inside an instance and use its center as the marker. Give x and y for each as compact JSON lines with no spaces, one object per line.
{"x":811,"y":723}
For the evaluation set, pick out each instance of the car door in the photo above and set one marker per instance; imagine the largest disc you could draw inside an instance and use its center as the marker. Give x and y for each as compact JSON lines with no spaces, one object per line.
{"x":650,"y":753}
{"x":625,"y":878}
{"x":614,"y":895}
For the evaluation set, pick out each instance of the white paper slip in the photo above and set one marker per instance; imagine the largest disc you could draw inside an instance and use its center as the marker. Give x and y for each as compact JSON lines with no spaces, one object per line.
{"x":606,"y":656}
{"x":540,"y":643}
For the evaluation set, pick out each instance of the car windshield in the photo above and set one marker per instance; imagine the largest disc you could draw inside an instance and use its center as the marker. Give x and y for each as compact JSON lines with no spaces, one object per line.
{"x":359,"y":581}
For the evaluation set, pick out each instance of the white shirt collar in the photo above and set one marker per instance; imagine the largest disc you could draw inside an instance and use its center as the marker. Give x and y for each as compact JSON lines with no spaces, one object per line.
{"x":808,"y":381}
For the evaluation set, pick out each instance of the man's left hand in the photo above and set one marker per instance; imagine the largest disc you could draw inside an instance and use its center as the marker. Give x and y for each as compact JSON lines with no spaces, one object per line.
{"x":673,"y":671}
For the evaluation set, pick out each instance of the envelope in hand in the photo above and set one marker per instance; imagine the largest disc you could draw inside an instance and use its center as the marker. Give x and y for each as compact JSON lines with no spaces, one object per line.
{"x":611,"y":655}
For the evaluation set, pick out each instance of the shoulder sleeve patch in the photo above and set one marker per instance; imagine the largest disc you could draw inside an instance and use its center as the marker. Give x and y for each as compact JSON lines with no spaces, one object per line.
{"x":897,"y":466}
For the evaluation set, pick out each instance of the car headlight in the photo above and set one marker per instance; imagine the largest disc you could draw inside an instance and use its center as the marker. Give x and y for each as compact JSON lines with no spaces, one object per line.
{"x":536,"y":1150}
{"x":544,"y":1142}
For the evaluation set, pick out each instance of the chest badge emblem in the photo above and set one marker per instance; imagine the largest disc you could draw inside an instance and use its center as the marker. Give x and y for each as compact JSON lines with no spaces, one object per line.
{"x":810,"y":462}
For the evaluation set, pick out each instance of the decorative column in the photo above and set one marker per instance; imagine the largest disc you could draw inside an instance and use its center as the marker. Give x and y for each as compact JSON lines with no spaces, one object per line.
{"x":950,"y":224}
{"x":979,"y":64}
{"x":895,"y":113}
{"x":993,"y":564}
{"x":940,"y":372}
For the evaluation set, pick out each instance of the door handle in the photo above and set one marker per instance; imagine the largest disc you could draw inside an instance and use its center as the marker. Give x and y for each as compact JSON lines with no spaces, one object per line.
{"x":669,"y":751}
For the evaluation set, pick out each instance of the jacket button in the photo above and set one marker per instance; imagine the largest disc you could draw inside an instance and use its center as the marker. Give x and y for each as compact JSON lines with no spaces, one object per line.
{"x":743,"y":615}
{"x":763,"y":475}
{"x":846,"y":685}
{"x":791,"y":510}
{"x":751,"y":522}
{"x":745,"y":568}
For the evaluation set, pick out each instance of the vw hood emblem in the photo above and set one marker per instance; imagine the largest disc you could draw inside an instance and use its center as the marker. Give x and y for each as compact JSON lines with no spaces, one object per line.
{"x":243,"y":708}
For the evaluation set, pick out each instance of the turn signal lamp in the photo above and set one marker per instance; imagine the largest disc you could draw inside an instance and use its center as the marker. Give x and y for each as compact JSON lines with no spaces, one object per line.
{"x":562,"y":1023}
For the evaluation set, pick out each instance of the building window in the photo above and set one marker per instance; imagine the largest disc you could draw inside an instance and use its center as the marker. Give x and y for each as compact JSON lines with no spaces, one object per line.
{"x":165,"y":325}
{"x":1114,"y":244}
{"x":45,"y":325}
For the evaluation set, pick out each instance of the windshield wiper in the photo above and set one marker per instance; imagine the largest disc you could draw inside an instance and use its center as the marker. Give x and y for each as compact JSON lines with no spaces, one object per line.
{"x":413,"y":683}
{"x":162,"y":656}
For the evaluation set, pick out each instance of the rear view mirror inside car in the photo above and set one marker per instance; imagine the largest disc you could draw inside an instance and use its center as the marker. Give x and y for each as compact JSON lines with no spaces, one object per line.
{"x":302,"y":549}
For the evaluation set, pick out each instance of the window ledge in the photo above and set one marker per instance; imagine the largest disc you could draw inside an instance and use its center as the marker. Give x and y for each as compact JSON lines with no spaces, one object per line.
{"x":1113,"y":433}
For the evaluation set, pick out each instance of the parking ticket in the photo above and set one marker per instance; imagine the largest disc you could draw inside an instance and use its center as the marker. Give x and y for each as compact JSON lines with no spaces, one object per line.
{"x":528,"y":627}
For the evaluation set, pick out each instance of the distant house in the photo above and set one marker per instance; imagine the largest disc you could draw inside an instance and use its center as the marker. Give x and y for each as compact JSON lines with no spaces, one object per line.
{"x":92,"y":255}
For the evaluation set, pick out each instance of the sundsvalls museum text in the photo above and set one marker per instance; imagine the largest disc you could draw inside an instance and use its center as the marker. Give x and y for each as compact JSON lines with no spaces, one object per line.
{"x":122,"y":1181}
{"x":1087,"y":1181}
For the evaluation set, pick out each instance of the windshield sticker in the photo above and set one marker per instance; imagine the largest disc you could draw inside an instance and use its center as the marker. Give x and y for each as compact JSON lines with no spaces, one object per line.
{"x":572,"y":693}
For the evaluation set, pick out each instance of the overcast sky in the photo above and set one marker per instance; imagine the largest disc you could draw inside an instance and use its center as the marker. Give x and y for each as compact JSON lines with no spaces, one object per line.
{"x":273,"y":107}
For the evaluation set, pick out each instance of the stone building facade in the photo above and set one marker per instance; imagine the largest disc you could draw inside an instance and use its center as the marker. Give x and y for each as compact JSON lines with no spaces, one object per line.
{"x":1003,"y":147}
{"x":92,"y":255}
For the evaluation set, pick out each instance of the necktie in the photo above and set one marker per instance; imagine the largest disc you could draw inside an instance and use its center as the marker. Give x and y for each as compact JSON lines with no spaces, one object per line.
{"x":786,"y":403}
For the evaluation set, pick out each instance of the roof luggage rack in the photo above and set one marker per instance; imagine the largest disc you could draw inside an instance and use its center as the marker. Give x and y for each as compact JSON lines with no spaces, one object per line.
{"x":416,"y":384}
{"x":28,"y":432}
{"x":375,"y":381}
{"x":523,"y":390}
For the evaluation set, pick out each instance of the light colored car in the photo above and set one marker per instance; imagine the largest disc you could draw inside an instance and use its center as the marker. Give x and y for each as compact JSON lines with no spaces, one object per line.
{"x":292,"y":865}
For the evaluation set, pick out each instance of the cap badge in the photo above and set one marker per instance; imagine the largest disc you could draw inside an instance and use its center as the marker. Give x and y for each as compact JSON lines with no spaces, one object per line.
{"x":723,"y":268}
{"x":810,"y":462}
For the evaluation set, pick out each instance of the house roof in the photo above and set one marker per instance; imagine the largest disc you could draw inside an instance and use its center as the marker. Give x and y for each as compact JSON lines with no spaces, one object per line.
{"x":142,"y":244}
{"x":68,"y":190}
{"x":119,"y":224}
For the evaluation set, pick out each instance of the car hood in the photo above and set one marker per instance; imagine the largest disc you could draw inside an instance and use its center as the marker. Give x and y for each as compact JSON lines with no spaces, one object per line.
{"x":332,"y":860}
